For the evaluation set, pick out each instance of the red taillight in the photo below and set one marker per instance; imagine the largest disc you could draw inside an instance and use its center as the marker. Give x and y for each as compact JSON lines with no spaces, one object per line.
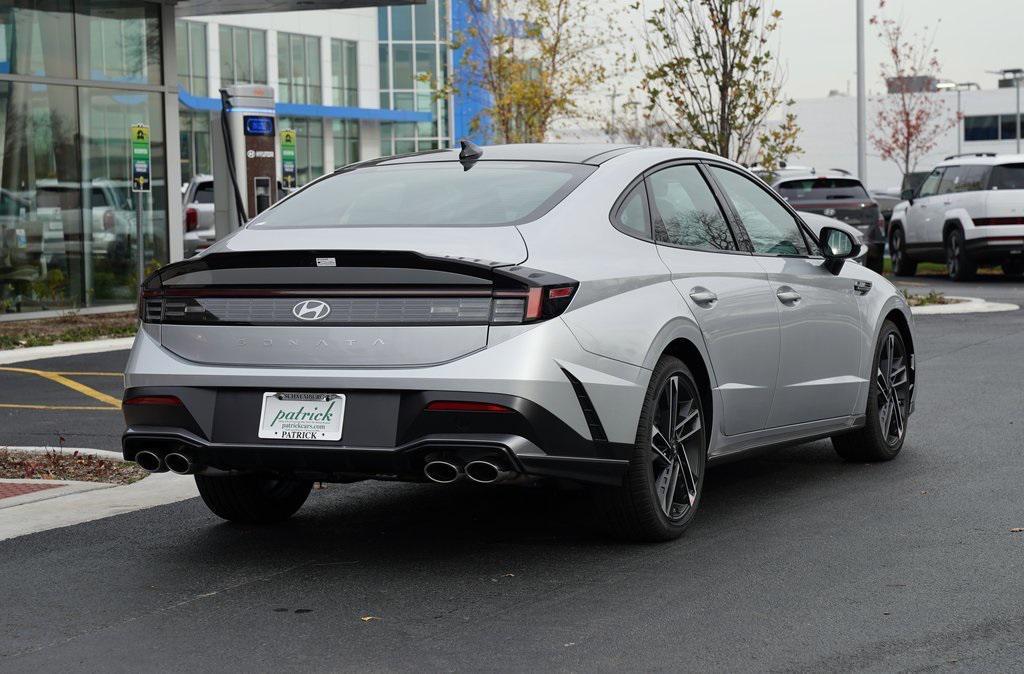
{"x":465,"y":406}
{"x":560,"y":293}
{"x":191,"y":219}
{"x":154,"y":400}
{"x":547,"y":302}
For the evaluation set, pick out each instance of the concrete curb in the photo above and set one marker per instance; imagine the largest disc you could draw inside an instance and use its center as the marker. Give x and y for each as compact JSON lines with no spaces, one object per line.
{"x":87,"y":506}
{"x":66,"y":349}
{"x":99,"y":453}
{"x":964,"y":305}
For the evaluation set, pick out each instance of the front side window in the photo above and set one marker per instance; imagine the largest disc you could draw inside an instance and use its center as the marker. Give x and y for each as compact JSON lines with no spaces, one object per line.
{"x":950,"y":179}
{"x":772,"y":230}
{"x":432,"y":194}
{"x":930,"y":186}
{"x":685,"y":212}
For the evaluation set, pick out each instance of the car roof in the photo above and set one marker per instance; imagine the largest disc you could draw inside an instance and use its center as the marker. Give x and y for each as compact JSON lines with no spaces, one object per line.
{"x":981,"y":158}
{"x":572,"y":153}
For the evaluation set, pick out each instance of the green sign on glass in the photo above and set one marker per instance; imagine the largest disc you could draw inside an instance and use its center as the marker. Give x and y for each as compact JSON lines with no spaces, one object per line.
{"x":142,"y":163}
{"x":288,"y":157}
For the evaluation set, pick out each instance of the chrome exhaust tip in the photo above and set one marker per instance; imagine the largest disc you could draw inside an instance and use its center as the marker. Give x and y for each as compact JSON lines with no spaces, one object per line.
{"x":179,"y":464}
{"x":442,"y":472}
{"x":486,"y":472}
{"x":150,"y":461}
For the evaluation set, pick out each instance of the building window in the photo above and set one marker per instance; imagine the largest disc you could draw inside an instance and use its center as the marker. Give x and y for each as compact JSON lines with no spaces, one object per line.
{"x":118,"y":42}
{"x":414,"y":66}
{"x":344,"y":73}
{"x":1008,"y":127}
{"x":309,"y":147}
{"x":27,"y":27}
{"x":191,"y":46}
{"x":981,"y":127}
{"x":346,"y":141}
{"x":195,"y":144}
{"x":298,"y":66}
{"x":243,"y":55}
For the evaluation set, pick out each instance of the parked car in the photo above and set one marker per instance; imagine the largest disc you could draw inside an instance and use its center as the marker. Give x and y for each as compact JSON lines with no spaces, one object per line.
{"x":610,"y":315}
{"x":198,"y":213}
{"x":968,"y":211}
{"x":836,"y":194}
{"x":887,"y":200}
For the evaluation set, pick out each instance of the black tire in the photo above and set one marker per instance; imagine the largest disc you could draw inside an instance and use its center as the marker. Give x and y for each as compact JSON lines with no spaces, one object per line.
{"x":872,"y":442}
{"x":960,"y":266}
{"x":636,"y":510}
{"x":1014,"y":268}
{"x":901,"y":264}
{"x":250,"y":499}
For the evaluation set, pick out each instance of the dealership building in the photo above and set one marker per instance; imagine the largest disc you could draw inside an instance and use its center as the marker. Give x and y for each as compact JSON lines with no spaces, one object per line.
{"x":355,"y":79}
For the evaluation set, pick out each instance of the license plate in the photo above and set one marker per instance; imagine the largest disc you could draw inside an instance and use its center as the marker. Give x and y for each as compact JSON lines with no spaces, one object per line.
{"x":302,"y":416}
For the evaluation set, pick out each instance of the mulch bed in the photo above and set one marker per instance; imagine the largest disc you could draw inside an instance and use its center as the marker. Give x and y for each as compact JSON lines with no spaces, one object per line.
{"x":57,"y":465}
{"x":70,"y":327}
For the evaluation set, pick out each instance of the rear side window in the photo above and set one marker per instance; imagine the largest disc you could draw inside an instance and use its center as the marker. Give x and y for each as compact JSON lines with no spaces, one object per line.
{"x":1007,"y":177}
{"x":632,"y":214}
{"x":772,"y":230}
{"x":822,"y":189}
{"x":968,"y":178}
{"x":685,"y":212}
{"x":429,"y":194}
{"x":204,"y":193}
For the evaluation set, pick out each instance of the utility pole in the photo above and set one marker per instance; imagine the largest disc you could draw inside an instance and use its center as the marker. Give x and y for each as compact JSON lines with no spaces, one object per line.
{"x":611,"y":97}
{"x":862,"y":150}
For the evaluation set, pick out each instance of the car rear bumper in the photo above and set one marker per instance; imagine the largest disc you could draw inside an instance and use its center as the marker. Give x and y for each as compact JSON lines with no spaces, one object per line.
{"x":386,"y":435}
{"x":996,"y":247}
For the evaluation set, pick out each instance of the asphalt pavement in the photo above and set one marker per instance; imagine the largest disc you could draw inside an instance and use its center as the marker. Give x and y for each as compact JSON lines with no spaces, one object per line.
{"x":797,"y":561}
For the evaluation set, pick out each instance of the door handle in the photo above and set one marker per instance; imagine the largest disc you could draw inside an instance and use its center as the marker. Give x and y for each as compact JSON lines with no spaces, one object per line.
{"x":787,"y":295}
{"x":703,"y":298}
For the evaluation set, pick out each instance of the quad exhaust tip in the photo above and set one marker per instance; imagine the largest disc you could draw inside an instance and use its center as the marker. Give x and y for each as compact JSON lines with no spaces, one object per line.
{"x":486,"y":472}
{"x":179,"y":464}
{"x":442,"y":472}
{"x":150,"y":461}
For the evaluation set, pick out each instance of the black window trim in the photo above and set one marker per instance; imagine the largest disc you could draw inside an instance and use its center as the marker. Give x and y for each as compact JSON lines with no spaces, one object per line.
{"x":810,"y":240}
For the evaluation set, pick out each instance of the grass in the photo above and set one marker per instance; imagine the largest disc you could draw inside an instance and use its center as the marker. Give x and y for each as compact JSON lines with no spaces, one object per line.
{"x":58,"y":465}
{"x":923,"y":268}
{"x":71,"y":327}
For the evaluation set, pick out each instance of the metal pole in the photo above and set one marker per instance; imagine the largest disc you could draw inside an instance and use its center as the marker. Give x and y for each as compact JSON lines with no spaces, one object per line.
{"x":138,"y":234}
{"x":1016,"y":81}
{"x":959,"y":123}
{"x":862,"y":157}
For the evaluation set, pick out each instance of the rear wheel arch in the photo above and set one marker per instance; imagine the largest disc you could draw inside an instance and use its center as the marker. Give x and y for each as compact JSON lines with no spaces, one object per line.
{"x":686,"y":351}
{"x":901,"y":322}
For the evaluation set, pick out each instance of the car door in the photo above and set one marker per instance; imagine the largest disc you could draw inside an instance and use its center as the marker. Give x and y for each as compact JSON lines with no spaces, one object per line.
{"x":726,"y":289}
{"x":822,"y":339}
{"x":923,"y":212}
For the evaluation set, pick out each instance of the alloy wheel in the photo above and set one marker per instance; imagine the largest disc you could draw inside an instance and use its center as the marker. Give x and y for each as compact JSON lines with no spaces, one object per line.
{"x":677,"y":442}
{"x":896,"y":249}
{"x":953,"y":255}
{"x":893,"y":381}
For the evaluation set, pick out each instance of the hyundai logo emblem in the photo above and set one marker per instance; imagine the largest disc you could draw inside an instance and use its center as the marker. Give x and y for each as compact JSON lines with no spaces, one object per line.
{"x":830,"y":212}
{"x":311,"y":310}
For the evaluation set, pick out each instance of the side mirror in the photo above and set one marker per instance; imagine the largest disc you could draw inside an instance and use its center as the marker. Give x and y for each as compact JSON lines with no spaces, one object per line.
{"x":837,"y":246}
{"x":907,"y":195}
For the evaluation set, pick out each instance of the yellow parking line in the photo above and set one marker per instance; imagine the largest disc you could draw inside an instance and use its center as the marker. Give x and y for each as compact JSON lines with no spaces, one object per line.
{"x":70,"y":383}
{"x":18,"y":406}
{"x":91,"y":374}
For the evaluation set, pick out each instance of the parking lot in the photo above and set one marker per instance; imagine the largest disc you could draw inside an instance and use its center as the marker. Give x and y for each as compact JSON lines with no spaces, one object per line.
{"x":797,"y":561}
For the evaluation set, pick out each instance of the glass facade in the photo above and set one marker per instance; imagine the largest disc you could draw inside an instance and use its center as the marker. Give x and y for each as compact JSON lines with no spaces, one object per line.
{"x":298,"y":69}
{"x":309,"y":147}
{"x":345,"y":133}
{"x":191,"y":52}
{"x":243,"y":55}
{"x":67,"y":215}
{"x":344,"y":73}
{"x":413,"y":53}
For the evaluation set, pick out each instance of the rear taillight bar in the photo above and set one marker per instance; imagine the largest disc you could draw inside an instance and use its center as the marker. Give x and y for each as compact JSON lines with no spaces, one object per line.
{"x":466,"y":406}
{"x":154,"y":400}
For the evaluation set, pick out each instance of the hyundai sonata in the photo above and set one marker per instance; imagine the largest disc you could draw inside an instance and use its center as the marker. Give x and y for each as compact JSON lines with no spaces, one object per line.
{"x":607,"y":315}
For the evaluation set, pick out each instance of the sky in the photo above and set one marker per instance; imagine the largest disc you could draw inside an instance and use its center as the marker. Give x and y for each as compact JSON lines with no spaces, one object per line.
{"x":817,"y":40}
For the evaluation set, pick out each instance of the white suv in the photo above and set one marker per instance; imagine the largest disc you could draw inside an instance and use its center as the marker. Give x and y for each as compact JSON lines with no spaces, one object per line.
{"x":968,"y":211}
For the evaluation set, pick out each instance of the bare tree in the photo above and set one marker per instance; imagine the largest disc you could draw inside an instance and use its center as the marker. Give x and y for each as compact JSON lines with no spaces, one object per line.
{"x":636,"y":125}
{"x":911,"y":119}
{"x":714,"y":78}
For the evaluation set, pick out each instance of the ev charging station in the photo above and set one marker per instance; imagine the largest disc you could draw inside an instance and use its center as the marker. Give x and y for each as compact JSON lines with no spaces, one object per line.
{"x":244,"y":156}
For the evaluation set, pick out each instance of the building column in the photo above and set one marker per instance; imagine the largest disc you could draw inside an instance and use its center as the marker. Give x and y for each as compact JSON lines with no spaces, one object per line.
{"x":172,"y":139}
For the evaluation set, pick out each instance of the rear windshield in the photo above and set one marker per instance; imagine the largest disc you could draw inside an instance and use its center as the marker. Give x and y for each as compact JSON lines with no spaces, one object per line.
{"x":821,"y":189}
{"x":429,"y":194}
{"x":1007,"y":177}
